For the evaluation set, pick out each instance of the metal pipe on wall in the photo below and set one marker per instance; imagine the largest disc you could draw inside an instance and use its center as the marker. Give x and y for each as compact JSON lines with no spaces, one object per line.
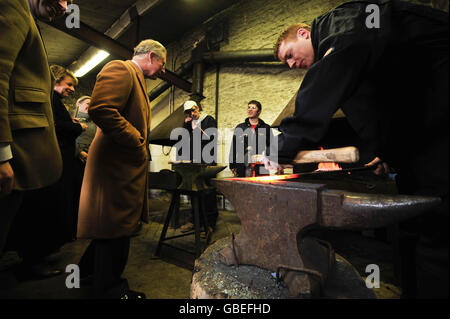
{"x":198,"y":71}
{"x":261,"y":55}
{"x":217,"y":92}
{"x":198,"y":74}
{"x":217,"y":57}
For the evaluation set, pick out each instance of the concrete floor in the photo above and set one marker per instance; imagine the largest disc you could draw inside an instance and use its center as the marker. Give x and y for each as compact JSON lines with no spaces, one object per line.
{"x":170,"y":275}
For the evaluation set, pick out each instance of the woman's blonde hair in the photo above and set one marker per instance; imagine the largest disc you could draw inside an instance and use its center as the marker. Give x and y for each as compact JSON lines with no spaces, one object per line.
{"x":59,"y":73}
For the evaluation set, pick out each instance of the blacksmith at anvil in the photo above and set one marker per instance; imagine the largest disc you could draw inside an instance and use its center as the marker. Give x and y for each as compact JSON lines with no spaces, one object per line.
{"x":250,"y":138}
{"x":385,"y":64}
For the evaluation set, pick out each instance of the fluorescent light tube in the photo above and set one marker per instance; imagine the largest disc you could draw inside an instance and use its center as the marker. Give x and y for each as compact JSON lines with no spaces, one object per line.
{"x":91,"y":63}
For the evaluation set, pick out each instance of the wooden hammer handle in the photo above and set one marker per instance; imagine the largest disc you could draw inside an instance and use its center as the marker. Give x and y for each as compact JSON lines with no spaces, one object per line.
{"x":348,"y":154}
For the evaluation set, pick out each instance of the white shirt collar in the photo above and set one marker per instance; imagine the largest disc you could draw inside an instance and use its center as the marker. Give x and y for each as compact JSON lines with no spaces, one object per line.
{"x":138,"y":66}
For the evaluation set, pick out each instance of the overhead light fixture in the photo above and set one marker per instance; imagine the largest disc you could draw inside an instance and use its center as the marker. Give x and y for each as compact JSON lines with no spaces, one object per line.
{"x":91,"y":63}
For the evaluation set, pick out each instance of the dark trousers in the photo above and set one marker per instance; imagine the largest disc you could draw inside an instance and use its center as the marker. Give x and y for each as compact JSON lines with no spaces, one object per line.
{"x":424,"y":244}
{"x":78,"y":173}
{"x":210,"y":208}
{"x":36,"y":232}
{"x":63,"y":194}
{"x":9,"y":206}
{"x":105,"y":261}
{"x":424,"y":250}
{"x":45,"y":219}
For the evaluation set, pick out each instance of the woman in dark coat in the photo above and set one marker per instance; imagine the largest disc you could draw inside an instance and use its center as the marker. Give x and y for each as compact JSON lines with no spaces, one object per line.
{"x":67,"y":130}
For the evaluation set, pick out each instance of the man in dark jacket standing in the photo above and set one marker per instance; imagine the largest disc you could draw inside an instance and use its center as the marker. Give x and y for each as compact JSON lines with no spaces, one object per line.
{"x":199,"y":145}
{"x":385,"y":63}
{"x":202,"y":129}
{"x":251,"y":137}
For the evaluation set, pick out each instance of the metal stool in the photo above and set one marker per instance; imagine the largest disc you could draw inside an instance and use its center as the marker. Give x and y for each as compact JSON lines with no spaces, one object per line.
{"x":198,"y":210}
{"x":194,"y":183}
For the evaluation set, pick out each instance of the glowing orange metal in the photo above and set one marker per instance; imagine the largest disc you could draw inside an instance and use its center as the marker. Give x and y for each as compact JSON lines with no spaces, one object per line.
{"x":331,"y":166}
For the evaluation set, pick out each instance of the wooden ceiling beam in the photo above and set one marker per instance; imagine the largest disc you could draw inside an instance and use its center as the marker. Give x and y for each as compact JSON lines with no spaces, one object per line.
{"x":101,"y":41}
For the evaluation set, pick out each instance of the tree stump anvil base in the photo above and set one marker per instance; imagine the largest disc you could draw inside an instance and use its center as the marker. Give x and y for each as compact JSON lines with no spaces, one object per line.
{"x":212,"y":279}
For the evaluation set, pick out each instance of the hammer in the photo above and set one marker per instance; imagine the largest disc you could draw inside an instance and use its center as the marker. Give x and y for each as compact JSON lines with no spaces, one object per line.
{"x":349,"y":154}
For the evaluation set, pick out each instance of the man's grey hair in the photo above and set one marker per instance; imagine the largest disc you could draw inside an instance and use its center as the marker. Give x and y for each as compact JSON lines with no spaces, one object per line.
{"x":150,"y":45}
{"x":83,"y":98}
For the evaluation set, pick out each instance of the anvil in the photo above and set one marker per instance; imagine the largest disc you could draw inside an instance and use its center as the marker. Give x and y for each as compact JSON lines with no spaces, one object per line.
{"x":195,"y":176}
{"x":275,"y":215}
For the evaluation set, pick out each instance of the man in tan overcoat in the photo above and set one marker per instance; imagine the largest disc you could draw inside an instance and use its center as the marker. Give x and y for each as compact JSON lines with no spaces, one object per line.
{"x":114,"y":192}
{"x":29,"y":154}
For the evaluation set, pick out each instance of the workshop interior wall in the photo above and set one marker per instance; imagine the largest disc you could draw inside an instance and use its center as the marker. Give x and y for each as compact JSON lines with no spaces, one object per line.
{"x":252,"y":24}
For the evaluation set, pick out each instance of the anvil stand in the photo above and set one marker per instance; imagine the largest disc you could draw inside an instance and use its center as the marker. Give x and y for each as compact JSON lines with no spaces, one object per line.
{"x":194,"y":185}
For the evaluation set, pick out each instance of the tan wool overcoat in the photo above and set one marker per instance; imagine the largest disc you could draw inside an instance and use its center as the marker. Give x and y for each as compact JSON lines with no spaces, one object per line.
{"x":114,"y":191}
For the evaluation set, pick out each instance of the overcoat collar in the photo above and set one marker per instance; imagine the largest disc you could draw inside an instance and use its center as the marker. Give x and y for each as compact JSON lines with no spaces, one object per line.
{"x":141,"y":79}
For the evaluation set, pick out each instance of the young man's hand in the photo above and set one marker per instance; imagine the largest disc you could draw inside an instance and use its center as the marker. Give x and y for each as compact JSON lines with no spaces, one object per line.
{"x":382,"y":167}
